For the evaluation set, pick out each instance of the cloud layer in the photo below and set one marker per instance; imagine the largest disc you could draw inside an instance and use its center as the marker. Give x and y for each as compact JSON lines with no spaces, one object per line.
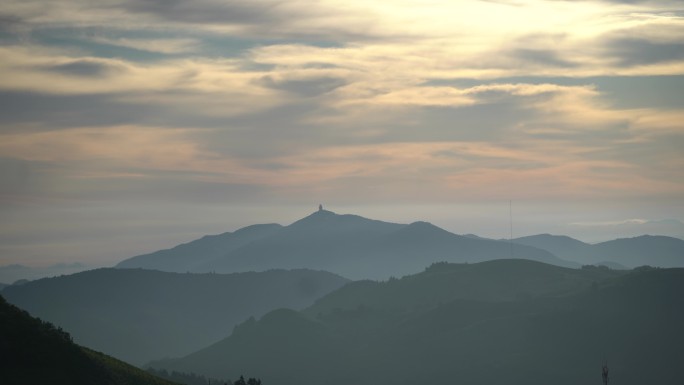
{"x":401,"y":102}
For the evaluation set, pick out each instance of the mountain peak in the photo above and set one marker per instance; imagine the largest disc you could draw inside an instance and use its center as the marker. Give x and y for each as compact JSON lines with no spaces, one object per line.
{"x":325,"y":221}
{"x":422,"y":225}
{"x":323,"y":212}
{"x":425,"y":228}
{"x":318,"y":215}
{"x":544,"y":241}
{"x":326,"y":216}
{"x":420,"y":232}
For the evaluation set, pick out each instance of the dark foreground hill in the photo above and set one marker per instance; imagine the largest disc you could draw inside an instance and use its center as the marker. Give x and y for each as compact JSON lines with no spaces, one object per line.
{"x":139,"y":315}
{"x":626,"y":252}
{"x":349,"y":245}
{"x":499,"y":322}
{"x":33,"y":352}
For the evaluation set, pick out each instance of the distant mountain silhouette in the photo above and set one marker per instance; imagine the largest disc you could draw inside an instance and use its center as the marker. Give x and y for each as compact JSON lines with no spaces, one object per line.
{"x":626,"y":252}
{"x":497,"y":322}
{"x":13,"y":273}
{"x":186,"y":257}
{"x":557,"y":244}
{"x":323,"y":240}
{"x":493,"y":281}
{"x":632,"y":228}
{"x":644,"y":250}
{"x":139,"y":315}
{"x":34,"y":352}
{"x":350,"y":245}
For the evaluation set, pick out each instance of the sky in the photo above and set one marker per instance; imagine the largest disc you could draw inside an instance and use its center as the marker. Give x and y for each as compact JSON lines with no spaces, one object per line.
{"x":132,"y":125}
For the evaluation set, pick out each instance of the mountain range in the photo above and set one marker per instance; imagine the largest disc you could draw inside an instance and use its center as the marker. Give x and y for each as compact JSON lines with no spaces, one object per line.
{"x":349,"y":245}
{"x":623,"y":253}
{"x":138,"y":315}
{"x":497,"y":322}
{"x":35,"y":352}
{"x":475,"y":315}
{"x":10,"y":274}
{"x":361,"y":248}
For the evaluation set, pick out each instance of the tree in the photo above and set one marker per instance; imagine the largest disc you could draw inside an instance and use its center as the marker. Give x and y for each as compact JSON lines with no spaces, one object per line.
{"x":251,"y":381}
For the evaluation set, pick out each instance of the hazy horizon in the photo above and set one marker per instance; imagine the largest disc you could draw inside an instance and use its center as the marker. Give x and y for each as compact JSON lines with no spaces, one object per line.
{"x":119,"y":240}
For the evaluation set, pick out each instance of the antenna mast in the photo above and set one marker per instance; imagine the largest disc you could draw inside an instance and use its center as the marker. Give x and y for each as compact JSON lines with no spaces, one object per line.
{"x":510,"y":216}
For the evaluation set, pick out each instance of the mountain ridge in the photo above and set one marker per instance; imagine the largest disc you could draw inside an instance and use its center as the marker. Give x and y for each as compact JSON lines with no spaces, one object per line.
{"x":176,"y":259}
{"x":138,"y":315}
{"x":357,"y":248}
{"x":653,"y":250}
{"x":565,"y":324}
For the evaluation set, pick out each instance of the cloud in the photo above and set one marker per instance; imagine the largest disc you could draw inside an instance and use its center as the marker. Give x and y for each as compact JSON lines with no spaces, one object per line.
{"x":165,"y":46}
{"x":208,"y":88}
{"x":304,"y":87}
{"x":86,"y":67}
{"x":207,"y":12}
{"x":643,"y":39}
{"x":405,"y":40}
{"x":611,"y":223}
{"x":609,"y":229}
{"x":42,"y":69}
{"x":313,"y":99}
{"x":545,"y":57}
{"x":10,"y":23}
{"x":633,"y":52}
{"x":253,"y":113}
{"x":302,"y":19}
{"x":26,"y":111}
{"x":138,"y":145}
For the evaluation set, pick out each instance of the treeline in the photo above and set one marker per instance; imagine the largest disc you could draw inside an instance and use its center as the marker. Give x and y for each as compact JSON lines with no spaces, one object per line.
{"x":198,"y":379}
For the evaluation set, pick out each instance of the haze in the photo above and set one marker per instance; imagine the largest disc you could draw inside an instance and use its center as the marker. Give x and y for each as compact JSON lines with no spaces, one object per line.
{"x":129,"y":126}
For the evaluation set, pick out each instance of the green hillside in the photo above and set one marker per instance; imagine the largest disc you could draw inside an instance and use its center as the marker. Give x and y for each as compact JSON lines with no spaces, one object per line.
{"x":498,"y":280}
{"x":139,"y":315}
{"x":35,"y":352}
{"x":499,"y":322}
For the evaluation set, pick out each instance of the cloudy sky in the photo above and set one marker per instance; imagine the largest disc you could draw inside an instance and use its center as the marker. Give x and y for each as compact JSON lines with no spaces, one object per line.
{"x":131,"y":125}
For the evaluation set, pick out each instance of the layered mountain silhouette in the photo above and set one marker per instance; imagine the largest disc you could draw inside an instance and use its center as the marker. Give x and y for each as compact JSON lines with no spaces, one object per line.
{"x":11,"y":274}
{"x":349,"y":245}
{"x":497,"y":322}
{"x":34,"y":352}
{"x":649,"y":250}
{"x":189,"y":257}
{"x":138,"y":315}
